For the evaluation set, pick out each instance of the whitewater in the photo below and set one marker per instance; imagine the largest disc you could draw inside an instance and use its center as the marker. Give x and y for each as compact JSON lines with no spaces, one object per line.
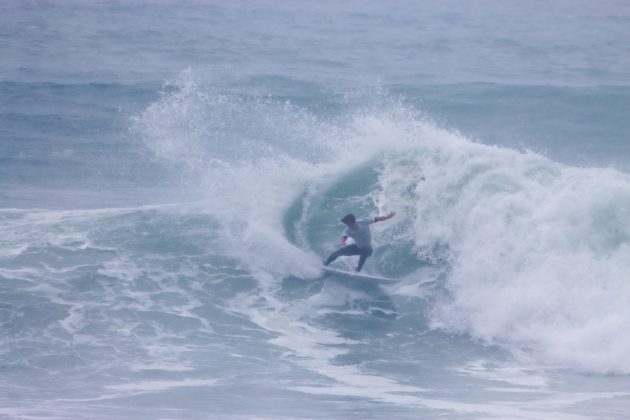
{"x":172,"y":175}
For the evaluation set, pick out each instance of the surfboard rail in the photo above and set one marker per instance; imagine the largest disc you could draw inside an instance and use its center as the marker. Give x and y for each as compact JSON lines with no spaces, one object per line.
{"x":361,"y":276}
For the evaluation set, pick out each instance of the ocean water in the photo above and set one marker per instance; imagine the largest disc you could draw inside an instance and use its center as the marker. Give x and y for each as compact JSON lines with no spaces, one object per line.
{"x":172,"y":174}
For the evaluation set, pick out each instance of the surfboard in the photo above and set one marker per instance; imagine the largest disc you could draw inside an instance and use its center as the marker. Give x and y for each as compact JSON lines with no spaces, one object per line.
{"x":359,"y":276}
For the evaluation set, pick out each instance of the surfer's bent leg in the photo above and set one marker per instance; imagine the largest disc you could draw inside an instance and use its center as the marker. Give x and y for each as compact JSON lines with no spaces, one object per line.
{"x":365,"y":253}
{"x":351,"y":249}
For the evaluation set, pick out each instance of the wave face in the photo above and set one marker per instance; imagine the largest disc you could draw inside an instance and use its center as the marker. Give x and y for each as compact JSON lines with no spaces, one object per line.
{"x":167,"y":197}
{"x":533,"y":250}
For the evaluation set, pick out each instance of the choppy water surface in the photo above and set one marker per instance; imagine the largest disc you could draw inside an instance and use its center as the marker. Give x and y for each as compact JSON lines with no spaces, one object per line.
{"x":172,"y":175}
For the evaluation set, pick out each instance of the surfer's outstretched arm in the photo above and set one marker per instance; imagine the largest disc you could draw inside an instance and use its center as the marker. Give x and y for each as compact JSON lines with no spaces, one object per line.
{"x":381,"y":218}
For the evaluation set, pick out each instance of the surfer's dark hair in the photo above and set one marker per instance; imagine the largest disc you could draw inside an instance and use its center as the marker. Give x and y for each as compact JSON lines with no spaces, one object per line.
{"x":349,"y":219}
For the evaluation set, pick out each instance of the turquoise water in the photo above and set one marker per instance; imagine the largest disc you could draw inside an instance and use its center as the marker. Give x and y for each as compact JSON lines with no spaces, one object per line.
{"x":171,"y":176}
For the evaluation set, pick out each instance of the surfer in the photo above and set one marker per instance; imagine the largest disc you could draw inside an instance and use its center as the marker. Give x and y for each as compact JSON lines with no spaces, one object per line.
{"x":359,"y":231}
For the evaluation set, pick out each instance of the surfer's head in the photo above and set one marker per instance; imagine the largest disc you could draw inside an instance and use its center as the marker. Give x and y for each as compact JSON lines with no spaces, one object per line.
{"x":349,"y":219}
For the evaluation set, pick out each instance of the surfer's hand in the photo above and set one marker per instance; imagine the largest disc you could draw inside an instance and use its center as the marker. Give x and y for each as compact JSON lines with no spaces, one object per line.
{"x":391,"y":214}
